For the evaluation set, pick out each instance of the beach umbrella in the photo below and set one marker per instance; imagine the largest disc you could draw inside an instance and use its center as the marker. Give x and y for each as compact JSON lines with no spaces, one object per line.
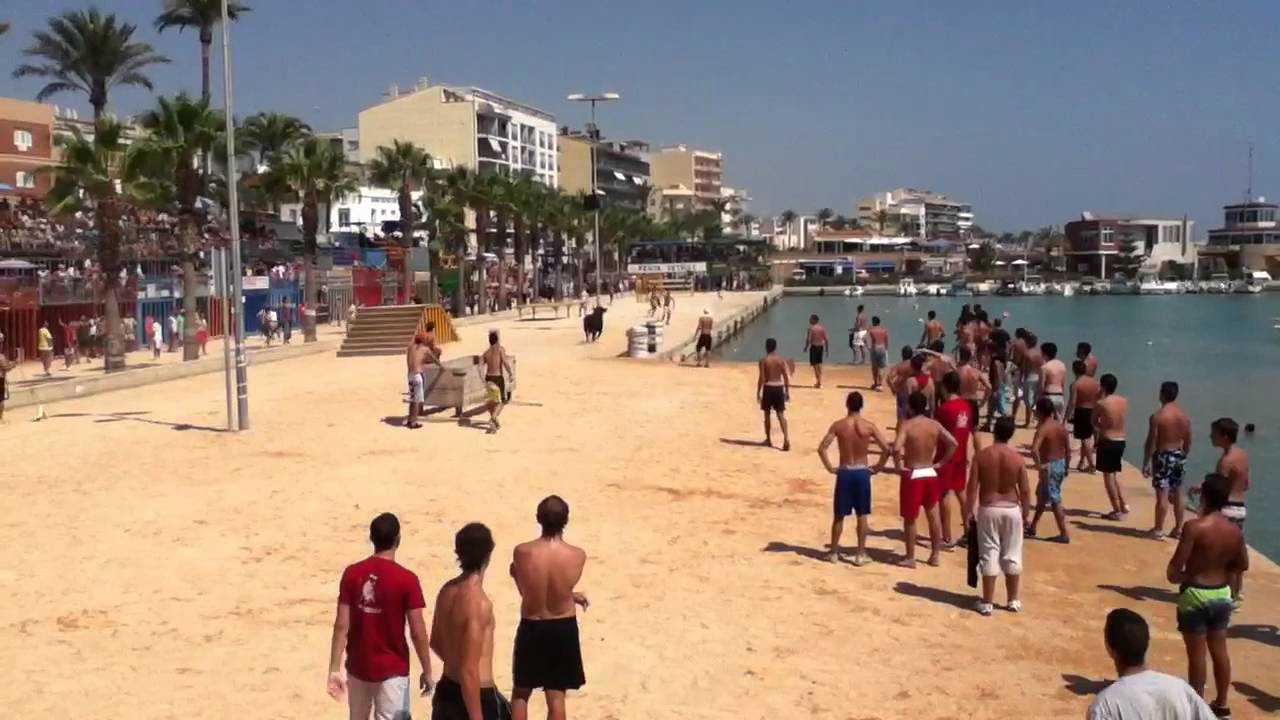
{"x":1018,"y":262}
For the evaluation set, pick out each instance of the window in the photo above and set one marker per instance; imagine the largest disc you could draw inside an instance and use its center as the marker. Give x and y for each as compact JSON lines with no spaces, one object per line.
{"x":344,"y":217}
{"x":25,"y":179}
{"x":23,"y":140}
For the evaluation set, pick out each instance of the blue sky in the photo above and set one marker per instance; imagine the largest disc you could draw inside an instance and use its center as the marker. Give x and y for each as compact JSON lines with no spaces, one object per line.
{"x":1032,"y":111}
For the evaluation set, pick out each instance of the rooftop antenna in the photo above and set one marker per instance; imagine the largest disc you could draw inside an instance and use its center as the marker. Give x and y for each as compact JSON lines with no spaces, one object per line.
{"x":1248,"y":192}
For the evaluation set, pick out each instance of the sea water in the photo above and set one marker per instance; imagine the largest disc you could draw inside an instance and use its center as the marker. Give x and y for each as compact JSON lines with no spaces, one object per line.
{"x":1222,"y":350}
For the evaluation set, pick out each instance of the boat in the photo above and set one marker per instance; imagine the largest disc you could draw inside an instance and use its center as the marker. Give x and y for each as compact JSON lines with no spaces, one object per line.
{"x":855,"y":291}
{"x":1032,"y":285}
{"x":1008,"y":288}
{"x":1151,"y":284}
{"x":1068,"y":289}
{"x":1089,"y":286}
{"x":960,"y":288}
{"x":907,"y":288}
{"x":1253,"y":282}
{"x":981,"y":288}
{"x":1217,"y":284}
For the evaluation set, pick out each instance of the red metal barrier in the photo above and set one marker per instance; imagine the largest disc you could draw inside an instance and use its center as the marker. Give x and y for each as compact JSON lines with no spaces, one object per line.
{"x":19,"y":326}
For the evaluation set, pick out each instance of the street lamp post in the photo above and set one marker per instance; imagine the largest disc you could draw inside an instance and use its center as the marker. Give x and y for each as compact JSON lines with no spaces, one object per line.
{"x":595,"y":194}
{"x":233,"y":202}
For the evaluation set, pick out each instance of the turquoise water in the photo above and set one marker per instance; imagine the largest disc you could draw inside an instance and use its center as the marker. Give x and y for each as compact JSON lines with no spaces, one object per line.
{"x":1221,"y":349}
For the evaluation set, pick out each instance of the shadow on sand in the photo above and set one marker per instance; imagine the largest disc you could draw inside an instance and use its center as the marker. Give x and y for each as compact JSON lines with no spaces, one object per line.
{"x":133,"y":417}
{"x":879,"y":555}
{"x":1265,"y":634}
{"x":1260,"y":698}
{"x":1143,"y":593}
{"x":938,"y":595}
{"x":1114,"y":530}
{"x":1083,"y":686}
{"x":743,"y":443}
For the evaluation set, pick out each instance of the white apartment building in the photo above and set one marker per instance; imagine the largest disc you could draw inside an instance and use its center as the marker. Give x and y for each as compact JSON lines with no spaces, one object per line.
{"x":923,"y":214}
{"x":464,"y":126}
{"x":366,"y":209}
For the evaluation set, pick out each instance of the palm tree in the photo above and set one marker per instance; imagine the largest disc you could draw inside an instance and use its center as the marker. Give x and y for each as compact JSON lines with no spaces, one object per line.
{"x":481,"y":192}
{"x":880,"y":217}
{"x":824,"y":215}
{"x":88,"y":52}
{"x":525,"y":196}
{"x":201,"y":15}
{"x":318,"y":174}
{"x":456,"y":185}
{"x":93,"y":177}
{"x":787,"y":217}
{"x":182,"y":131}
{"x":269,"y":133}
{"x":403,"y":167}
{"x":745,"y":223}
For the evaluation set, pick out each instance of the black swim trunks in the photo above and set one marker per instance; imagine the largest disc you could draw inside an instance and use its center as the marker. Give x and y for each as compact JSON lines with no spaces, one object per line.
{"x":447,"y":703}
{"x":774,"y":397}
{"x":1110,"y":455}
{"x":704,"y":342}
{"x":548,"y":654}
{"x":816,"y":353}
{"x":1082,"y":423}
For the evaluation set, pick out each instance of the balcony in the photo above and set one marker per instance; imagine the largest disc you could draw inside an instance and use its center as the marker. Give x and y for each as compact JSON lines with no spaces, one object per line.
{"x":492,"y":126}
{"x":488,"y":148}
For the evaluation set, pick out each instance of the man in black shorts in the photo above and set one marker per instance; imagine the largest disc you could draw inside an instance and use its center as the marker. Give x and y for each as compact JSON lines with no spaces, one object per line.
{"x":703,"y":348}
{"x":773,"y":389}
{"x":1109,"y":416}
{"x":815,"y":341}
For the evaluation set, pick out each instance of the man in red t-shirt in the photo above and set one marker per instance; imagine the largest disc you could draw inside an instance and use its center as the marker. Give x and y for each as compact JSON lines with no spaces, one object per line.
{"x":956,"y":415}
{"x":375,"y":598}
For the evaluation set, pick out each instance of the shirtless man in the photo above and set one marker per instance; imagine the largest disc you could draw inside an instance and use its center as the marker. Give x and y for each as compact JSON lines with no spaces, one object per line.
{"x":668,"y":306}
{"x":462,"y":636}
{"x":773,"y":390}
{"x":495,"y":365}
{"x":548,"y":652}
{"x":920,"y":448}
{"x":1051,"y":453}
{"x":1053,"y":380}
{"x":1109,"y":415}
{"x":1210,"y":551}
{"x":919,"y":381}
{"x":897,"y":380}
{"x":703,"y":349}
{"x":859,"y":339}
{"x":974,"y":385}
{"x":1164,"y":457}
{"x":878,"y":336}
{"x":1029,"y":371}
{"x":417,"y":356}
{"x":1084,"y":351}
{"x":1083,"y":397}
{"x":1234,"y":464}
{"x":998,"y":498}
{"x":853,"y":476}
{"x":815,"y":342}
{"x":933,"y":330}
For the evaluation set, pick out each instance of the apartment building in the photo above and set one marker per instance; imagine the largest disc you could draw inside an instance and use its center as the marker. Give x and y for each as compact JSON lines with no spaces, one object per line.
{"x":26,"y":144}
{"x":621,"y":173}
{"x":464,"y":127}
{"x":701,"y":171}
{"x":922,"y":214}
{"x":1093,"y":243}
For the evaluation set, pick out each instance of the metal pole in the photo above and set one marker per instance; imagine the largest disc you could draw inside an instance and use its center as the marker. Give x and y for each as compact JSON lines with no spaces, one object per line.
{"x":595,"y":198}
{"x":237,"y":293}
{"x":220,"y":266}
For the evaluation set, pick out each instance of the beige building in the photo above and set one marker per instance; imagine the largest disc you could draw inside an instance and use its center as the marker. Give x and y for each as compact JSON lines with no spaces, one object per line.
{"x":464,"y":127}
{"x":698,"y":170}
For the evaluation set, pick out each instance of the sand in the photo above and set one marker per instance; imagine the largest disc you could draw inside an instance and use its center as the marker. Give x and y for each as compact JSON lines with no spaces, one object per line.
{"x":158,"y":568}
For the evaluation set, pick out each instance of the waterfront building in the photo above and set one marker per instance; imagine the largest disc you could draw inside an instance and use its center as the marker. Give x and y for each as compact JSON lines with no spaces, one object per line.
{"x":26,"y":144}
{"x":668,"y":203}
{"x":621,"y":173}
{"x":1248,"y":239}
{"x":918,"y":213}
{"x":736,"y":203}
{"x":1094,"y":244}
{"x":702,"y":171}
{"x":464,"y":127}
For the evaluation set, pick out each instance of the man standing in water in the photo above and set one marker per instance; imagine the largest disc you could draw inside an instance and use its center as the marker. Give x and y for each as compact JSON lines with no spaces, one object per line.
{"x":1084,"y":396}
{"x":815,"y":341}
{"x":920,"y":448}
{"x":998,"y":498}
{"x":878,"y":336}
{"x":1109,"y":431}
{"x":859,"y":340}
{"x":702,"y":349}
{"x":462,"y":635}
{"x":548,"y":651}
{"x":496,"y":370}
{"x":1210,"y":552}
{"x":1234,"y":464}
{"x":853,"y":476}
{"x":1164,"y":456}
{"x":1050,"y":451}
{"x":376,"y":598}
{"x":773,"y":390}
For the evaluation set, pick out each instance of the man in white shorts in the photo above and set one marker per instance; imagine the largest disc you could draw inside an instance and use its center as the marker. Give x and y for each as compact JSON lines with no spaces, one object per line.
{"x":998,"y":499}
{"x":858,"y":343}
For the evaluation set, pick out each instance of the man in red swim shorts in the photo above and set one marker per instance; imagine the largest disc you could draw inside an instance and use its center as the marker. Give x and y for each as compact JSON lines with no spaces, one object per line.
{"x":956,"y":414}
{"x":916,"y":449}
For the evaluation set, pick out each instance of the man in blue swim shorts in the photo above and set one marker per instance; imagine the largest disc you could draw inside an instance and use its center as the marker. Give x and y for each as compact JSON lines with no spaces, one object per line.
{"x":1168,"y":442}
{"x":1050,"y":450}
{"x":853,"y":477}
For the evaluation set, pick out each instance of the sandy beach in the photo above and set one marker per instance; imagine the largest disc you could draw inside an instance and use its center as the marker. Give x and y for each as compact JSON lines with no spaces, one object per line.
{"x":161,"y":568}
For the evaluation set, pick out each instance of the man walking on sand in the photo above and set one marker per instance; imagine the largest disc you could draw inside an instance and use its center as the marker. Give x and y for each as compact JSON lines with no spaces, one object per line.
{"x":1210,"y":551}
{"x":702,"y":349}
{"x":878,"y":336}
{"x":417,"y":355}
{"x":815,"y":342}
{"x":375,"y":599}
{"x":956,"y":415}
{"x":773,"y":390}
{"x":920,"y":448}
{"x":1234,"y":464}
{"x":548,"y":651}
{"x":1164,"y":457}
{"x":1050,"y":452}
{"x":853,"y":477}
{"x":1109,"y":431}
{"x":496,"y":369}
{"x":462,"y":635}
{"x":1140,"y":693}
{"x":1083,"y":397}
{"x":998,"y":499}
{"x":44,"y":347}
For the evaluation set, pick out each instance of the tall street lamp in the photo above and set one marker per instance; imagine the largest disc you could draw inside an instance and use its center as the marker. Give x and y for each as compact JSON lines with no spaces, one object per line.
{"x":595,"y":194}
{"x":233,"y":202}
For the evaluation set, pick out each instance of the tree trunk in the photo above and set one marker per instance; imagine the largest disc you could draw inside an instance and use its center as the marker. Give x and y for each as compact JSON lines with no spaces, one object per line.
{"x":579,"y":251}
{"x":502,"y":262}
{"x":190,"y":348}
{"x":521,"y":251}
{"x":113,"y":358}
{"x":310,"y":222}
{"x":482,"y":240}
{"x":107,"y":220}
{"x":460,"y":293}
{"x":206,"y":44}
{"x":406,"y":239}
{"x":558,"y":292}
